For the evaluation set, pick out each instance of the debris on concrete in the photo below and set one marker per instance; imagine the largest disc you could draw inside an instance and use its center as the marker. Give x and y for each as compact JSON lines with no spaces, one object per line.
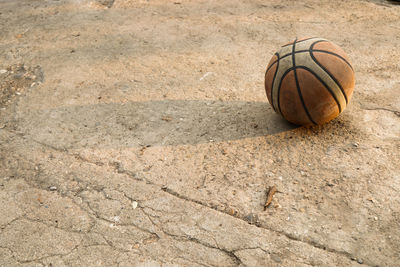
{"x":271,"y":191}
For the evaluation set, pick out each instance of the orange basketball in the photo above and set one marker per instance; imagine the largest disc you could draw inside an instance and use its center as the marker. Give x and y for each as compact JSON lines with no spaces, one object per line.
{"x":309,"y":81}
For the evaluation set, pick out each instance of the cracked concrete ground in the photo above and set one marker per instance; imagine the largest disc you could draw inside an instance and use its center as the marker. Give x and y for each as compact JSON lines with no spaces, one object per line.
{"x":138,"y":133}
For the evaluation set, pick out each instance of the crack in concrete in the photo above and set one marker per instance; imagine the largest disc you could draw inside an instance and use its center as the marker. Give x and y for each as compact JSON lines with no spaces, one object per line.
{"x":24,"y":136}
{"x":268,"y":252}
{"x":121,"y":170}
{"x":49,"y":256}
{"x":231,"y":254}
{"x":12,"y":221}
{"x":97,"y":216}
{"x":395,"y":112}
{"x":108,"y":242}
{"x":54,"y":226}
{"x":193,"y":239}
{"x":111,"y":245}
{"x":117,"y":166}
{"x":257,"y":224}
{"x":24,"y":217}
{"x":11,"y":252}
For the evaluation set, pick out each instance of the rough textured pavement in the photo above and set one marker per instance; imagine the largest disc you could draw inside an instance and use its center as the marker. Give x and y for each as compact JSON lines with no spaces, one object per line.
{"x":138,"y":133}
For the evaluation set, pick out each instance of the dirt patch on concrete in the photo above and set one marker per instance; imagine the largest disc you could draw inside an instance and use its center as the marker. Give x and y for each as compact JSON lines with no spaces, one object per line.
{"x":15,"y":80}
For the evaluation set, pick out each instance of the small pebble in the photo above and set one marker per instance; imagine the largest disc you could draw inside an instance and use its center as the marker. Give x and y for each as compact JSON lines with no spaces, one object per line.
{"x":53,"y":188}
{"x":355,"y":144}
{"x":3,"y":71}
{"x":134,"y":204}
{"x":251,"y":218}
{"x":276,"y":258}
{"x":231,"y":211}
{"x":360,"y":261}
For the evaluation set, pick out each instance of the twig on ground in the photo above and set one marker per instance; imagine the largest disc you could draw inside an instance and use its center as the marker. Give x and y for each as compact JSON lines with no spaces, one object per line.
{"x":271,"y":191}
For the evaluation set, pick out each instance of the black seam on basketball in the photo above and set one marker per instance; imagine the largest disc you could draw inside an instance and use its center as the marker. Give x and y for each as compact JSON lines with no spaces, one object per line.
{"x":297,"y":83}
{"x":330,"y":74}
{"x":323,"y":83}
{"x":315,"y":75}
{"x":316,"y":50}
{"x":273,"y":81}
{"x":279,"y":87}
{"x":319,"y":41}
{"x":289,"y":54}
{"x":273,"y":63}
{"x":334,"y":54}
{"x":270,"y":66}
{"x":299,"y":41}
{"x":329,"y":52}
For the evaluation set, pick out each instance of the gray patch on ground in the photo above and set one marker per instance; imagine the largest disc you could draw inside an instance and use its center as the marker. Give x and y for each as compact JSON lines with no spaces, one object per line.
{"x":106,"y":3}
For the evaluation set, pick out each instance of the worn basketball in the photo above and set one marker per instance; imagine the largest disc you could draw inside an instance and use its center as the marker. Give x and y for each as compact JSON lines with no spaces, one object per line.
{"x":309,"y":81}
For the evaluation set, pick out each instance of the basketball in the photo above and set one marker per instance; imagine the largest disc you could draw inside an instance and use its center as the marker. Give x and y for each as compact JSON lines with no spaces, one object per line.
{"x":310,"y":81}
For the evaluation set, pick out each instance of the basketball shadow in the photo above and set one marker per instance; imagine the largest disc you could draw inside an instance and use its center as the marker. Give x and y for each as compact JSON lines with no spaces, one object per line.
{"x":394,"y":2}
{"x":155,"y":123}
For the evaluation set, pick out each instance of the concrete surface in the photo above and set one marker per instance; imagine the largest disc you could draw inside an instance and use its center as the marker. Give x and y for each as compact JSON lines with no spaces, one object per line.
{"x":138,"y":133}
